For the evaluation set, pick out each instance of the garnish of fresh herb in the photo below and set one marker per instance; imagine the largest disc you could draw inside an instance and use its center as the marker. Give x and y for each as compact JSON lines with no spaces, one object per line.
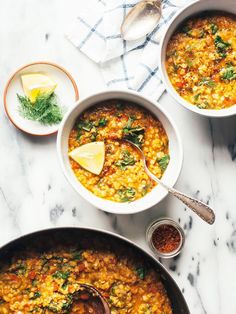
{"x":202,"y":34}
{"x":221,"y":46}
{"x":133,"y":134}
{"x":126,"y":194}
{"x":120,"y":106}
{"x":196,"y":97}
{"x":141,"y":272}
{"x":66,"y":306}
{"x":214,"y":28}
{"x":52,"y":308}
{"x":44,"y":110}
{"x":61,"y":275}
{"x":163,"y":162}
{"x":189,"y":63}
{"x":84,"y":125}
{"x":207,"y":81}
{"x":102,"y":122}
{"x":19,"y":269}
{"x":34,"y":282}
{"x":203,"y":105}
{"x":145,"y":189}
{"x":229,"y":73}
{"x":63,"y":308}
{"x":93,"y":136}
{"x":65,"y":285}
{"x":90,"y":126}
{"x":175,"y":67}
{"x":77,"y":255}
{"x":172,"y":53}
{"x":36,"y":295}
{"x":58,"y":258}
{"x":127,"y":160}
{"x":186,"y":30}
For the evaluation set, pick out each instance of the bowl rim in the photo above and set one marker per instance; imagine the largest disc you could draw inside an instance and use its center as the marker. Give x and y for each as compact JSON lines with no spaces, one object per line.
{"x":107,"y":205}
{"x":70,"y":77}
{"x":212,"y":113}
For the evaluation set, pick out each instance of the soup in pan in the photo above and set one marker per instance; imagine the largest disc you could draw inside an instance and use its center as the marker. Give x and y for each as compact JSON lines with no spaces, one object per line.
{"x":48,"y":281}
{"x":201,"y":60}
{"x":122,"y":178}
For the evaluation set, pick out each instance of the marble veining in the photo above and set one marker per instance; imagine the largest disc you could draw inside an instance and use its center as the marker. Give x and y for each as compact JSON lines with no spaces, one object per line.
{"x":34,"y":193}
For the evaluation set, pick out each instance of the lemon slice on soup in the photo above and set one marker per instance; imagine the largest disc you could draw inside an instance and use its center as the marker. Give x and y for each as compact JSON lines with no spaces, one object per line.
{"x":36,"y":84}
{"x":90,"y":156}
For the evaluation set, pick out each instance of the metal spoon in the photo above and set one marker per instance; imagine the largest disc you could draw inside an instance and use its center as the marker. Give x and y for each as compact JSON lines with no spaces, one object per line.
{"x":93,"y":299}
{"x":200,"y":208}
{"x":141,"y":20}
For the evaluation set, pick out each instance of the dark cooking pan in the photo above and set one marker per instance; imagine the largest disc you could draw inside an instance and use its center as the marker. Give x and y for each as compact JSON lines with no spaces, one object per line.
{"x":42,"y":240}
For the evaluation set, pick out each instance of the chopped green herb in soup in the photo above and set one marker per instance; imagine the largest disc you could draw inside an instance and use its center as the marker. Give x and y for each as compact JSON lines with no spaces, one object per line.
{"x":123,"y":178}
{"x":201,"y":63}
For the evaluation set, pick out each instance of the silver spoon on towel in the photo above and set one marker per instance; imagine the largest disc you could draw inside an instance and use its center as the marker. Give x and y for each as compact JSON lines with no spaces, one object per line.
{"x":141,"y":20}
{"x":200,"y":208}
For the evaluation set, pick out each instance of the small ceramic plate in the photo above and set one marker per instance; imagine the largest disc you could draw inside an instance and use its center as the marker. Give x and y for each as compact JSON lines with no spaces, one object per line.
{"x":66,"y":91}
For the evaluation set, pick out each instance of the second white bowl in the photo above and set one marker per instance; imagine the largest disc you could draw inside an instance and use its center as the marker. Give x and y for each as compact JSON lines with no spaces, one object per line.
{"x":175,"y":148}
{"x":190,"y":10}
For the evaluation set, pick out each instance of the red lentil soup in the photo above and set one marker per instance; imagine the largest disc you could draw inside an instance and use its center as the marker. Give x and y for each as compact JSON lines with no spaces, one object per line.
{"x":201,"y":60}
{"x":122,"y":178}
{"x":48,"y":281}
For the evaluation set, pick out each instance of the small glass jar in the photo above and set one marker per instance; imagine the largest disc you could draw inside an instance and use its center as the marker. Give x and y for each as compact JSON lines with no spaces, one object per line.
{"x":154,"y":226}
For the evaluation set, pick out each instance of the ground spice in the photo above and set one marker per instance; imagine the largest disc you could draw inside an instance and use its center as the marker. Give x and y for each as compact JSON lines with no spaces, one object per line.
{"x":166,"y":238}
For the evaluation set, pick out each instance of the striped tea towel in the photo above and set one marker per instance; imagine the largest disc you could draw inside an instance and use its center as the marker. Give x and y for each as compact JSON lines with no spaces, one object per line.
{"x":124,"y":64}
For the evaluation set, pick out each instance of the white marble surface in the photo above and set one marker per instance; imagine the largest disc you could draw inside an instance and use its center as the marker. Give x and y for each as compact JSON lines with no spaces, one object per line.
{"x":34,"y":194}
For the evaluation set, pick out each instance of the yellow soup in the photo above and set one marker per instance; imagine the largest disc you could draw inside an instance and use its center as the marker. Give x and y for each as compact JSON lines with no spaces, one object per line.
{"x":49,"y":282}
{"x":201,"y":61}
{"x":122,"y":178}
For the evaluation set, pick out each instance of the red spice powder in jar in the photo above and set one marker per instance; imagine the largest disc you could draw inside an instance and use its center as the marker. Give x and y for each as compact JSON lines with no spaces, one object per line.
{"x":166,"y":238}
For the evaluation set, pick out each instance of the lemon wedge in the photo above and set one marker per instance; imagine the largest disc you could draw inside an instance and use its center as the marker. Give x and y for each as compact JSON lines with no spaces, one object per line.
{"x":36,"y":84}
{"x":90,"y":156}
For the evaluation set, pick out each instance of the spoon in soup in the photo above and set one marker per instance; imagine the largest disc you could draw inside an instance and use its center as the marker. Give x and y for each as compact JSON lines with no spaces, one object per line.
{"x":141,"y":20}
{"x":92,"y":299}
{"x":201,"y":209}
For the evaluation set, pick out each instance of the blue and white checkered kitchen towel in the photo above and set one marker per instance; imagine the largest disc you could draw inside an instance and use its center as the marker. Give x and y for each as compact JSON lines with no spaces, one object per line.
{"x":124,"y":64}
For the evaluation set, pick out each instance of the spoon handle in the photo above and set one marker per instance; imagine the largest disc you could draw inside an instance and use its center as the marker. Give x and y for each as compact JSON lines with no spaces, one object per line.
{"x":201,"y":209}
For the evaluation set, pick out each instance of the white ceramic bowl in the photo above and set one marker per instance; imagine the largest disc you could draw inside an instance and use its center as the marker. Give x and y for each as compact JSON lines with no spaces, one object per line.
{"x":175,"y":147}
{"x":188,"y":11}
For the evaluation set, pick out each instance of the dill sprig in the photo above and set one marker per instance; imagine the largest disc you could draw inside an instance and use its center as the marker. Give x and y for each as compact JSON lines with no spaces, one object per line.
{"x":45,"y":109}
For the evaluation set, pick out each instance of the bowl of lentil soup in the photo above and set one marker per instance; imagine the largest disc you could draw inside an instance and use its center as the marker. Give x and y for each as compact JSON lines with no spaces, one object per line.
{"x":122,"y":186}
{"x":197,"y":58}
